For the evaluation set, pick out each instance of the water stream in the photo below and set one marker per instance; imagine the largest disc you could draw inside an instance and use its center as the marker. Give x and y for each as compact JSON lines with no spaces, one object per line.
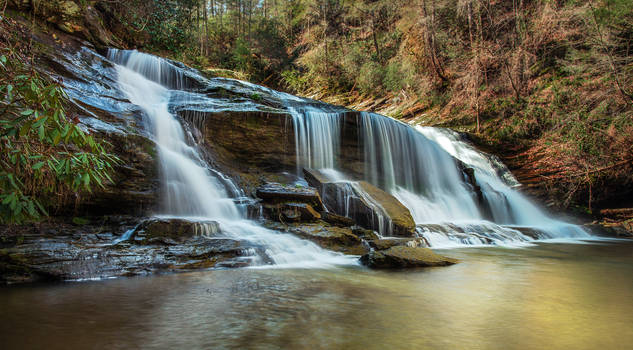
{"x":548,"y":296}
{"x":190,"y":188}
{"x":422,"y":167}
{"x":419,"y":167}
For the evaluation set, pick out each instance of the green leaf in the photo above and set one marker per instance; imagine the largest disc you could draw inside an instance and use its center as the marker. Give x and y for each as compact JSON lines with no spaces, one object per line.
{"x":12,"y":181}
{"x":25,"y":128}
{"x":8,"y":199}
{"x":37,"y":203}
{"x":37,"y":165}
{"x":30,"y":208}
{"x":39,"y":122}
{"x":98,"y":180}
{"x":56,"y":137}
{"x":27,"y":112}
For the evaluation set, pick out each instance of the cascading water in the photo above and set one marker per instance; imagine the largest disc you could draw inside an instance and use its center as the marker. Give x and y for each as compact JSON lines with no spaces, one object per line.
{"x":191,"y":189}
{"x":317,"y":138}
{"x":418,"y":167}
{"x":508,"y":206}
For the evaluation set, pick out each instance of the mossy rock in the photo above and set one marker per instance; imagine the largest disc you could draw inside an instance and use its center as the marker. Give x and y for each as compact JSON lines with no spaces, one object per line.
{"x":404,"y":257}
{"x":403,"y":224}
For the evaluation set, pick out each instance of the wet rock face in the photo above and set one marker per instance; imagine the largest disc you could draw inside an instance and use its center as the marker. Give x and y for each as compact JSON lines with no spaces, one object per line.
{"x":285,"y":203}
{"x":61,"y":251}
{"x":470,"y":180}
{"x":404,"y":257}
{"x":136,"y":185}
{"x":275,"y":193}
{"x":172,"y":231}
{"x":337,"y":220}
{"x":367,"y":205}
{"x":250,"y":144}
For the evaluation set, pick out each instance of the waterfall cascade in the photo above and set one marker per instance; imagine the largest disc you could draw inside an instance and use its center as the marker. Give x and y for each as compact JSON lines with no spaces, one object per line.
{"x":191,"y":189}
{"x":420,"y":167}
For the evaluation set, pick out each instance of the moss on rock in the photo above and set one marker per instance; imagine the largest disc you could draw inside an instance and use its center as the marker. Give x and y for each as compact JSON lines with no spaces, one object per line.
{"x":402,"y":257}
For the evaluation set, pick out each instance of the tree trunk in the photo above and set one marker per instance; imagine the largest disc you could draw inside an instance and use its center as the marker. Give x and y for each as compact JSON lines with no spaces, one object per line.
{"x":429,"y":40}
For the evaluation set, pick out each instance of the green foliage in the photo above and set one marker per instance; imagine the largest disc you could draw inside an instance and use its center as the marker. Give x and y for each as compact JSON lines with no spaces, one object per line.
{"x":370,"y":77}
{"x":167,"y":21}
{"x":399,"y":76}
{"x":45,"y":156}
{"x":295,"y":81}
{"x":241,"y":56}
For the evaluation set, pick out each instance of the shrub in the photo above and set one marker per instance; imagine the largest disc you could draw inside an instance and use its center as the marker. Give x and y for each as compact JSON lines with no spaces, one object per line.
{"x":370,"y":77}
{"x":45,"y":156}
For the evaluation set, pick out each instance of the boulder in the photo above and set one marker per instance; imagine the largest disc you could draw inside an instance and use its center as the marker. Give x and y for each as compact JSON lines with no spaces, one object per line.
{"x":401,"y":257}
{"x":622,"y":230}
{"x":366,"y":204}
{"x":275,"y":193}
{"x":172,"y":231}
{"x":287,"y":203}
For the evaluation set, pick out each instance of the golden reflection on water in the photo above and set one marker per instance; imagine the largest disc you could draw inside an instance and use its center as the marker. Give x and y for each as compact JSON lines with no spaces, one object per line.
{"x":555,"y":296}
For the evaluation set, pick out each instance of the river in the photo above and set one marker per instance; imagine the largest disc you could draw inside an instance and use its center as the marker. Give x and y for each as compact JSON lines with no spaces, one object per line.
{"x":546,"y":296}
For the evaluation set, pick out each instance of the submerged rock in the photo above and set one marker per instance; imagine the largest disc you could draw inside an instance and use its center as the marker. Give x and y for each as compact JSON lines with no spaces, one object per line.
{"x":401,"y":256}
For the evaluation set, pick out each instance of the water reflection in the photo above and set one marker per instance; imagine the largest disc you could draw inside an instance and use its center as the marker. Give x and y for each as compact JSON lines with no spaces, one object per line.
{"x":552,"y":296}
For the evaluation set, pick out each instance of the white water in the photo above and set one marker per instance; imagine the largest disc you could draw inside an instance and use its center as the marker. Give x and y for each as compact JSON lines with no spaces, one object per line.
{"x":317,"y":138}
{"x":191,"y":189}
{"x":417,"y":167}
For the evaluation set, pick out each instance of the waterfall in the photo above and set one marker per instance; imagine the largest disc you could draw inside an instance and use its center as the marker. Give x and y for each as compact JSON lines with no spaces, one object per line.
{"x":190,"y":188}
{"x":420,"y":167}
{"x":317,"y":138}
